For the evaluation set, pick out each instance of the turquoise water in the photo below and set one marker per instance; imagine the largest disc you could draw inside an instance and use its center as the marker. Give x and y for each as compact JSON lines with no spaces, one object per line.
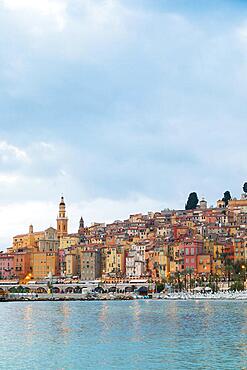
{"x":123,"y":335}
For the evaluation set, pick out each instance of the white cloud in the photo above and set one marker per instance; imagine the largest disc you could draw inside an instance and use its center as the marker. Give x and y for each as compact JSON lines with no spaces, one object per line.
{"x":42,"y":170}
{"x":71,"y":29}
{"x":8,"y":179}
{"x":9,"y":152}
{"x":107,"y":210}
{"x":16,"y":217}
{"x":53,"y":10}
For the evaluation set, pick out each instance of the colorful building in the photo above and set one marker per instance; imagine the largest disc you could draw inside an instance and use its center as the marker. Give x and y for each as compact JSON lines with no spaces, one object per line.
{"x":6,"y":266}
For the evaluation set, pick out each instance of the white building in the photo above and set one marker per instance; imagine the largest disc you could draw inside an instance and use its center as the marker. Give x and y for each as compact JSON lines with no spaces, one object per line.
{"x":135,"y":261}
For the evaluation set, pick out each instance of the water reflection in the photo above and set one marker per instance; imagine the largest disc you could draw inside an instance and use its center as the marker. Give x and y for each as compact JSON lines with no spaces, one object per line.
{"x":137,"y":312}
{"x":65,"y":321}
{"x":28,"y":322}
{"x":243,"y":342}
{"x":104,"y":317}
{"x":65,"y":309}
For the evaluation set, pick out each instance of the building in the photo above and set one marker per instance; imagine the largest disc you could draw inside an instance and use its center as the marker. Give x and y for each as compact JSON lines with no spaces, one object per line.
{"x":22,"y":263}
{"x":44,"y":263}
{"x":113,"y":261}
{"x":156,"y":245}
{"x":68,"y":241}
{"x":135,"y":261}
{"x":81,"y":232}
{"x":72,"y":262}
{"x":203,"y":264}
{"x":6,"y":266}
{"x":191,"y":249}
{"x":27,"y":241}
{"x":90,"y":264}
{"x":203,"y":204}
{"x":62,"y":220}
{"x":50,"y":242}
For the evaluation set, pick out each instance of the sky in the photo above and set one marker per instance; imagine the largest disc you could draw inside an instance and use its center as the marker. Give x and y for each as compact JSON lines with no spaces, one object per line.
{"x":122,"y":106}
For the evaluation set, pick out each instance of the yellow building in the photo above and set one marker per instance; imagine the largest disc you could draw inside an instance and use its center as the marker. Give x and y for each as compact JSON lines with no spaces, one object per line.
{"x":238,"y":204}
{"x":218,"y":263}
{"x":164,"y":265}
{"x":120,"y":260}
{"x":68,"y":241}
{"x":209,"y":246}
{"x":27,"y":241}
{"x":113,"y":261}
{"x":42,"y":263}
{"x":72,"y":263}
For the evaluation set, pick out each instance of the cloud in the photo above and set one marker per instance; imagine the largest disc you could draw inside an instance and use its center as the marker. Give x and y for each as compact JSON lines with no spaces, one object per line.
{"x":9,"y":152}
{"x":7,"y":179}
{"x":41,"y":171}
{"x":101,"y":100}
{"x":53,"y":10}
{"x":16,"y":217}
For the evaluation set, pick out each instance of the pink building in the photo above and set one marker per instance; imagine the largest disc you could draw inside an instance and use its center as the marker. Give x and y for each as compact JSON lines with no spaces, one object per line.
{"x":190,"y":250}
{"x":6,"y":266}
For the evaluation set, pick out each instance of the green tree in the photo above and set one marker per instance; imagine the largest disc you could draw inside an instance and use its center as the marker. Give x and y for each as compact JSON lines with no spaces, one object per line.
{"x":160,"y":287}
{"x":245,"y":187}
{"x":227,"y":197}
{"x":237,"y":285}
{"x":192,"y":201}
{"x":190,"y":271}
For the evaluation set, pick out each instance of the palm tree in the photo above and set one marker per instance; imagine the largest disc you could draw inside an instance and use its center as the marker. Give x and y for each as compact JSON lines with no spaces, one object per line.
{"x":184,"y":273}
{"x":190,"y":271}
{"x":177,"y":275}
{"x":228,"y":270}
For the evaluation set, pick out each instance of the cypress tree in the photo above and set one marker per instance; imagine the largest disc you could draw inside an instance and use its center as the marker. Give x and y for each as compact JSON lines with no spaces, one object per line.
{"x":245,"y":187}
{"x":192,"y":201}
{"x":227,"y":197}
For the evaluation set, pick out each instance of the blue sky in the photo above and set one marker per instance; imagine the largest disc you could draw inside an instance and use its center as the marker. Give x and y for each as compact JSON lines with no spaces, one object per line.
{"x":123,"y":106}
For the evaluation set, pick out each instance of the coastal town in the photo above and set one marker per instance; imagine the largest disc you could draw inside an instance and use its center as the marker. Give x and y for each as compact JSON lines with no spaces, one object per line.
{"x":186,"y":249}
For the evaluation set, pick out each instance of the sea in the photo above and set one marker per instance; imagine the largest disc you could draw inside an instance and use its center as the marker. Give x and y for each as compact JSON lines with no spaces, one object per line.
{"x":139,"y":334}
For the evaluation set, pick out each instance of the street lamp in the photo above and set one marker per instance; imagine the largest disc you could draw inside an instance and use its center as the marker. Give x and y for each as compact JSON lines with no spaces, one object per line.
{"x":243,"y":268}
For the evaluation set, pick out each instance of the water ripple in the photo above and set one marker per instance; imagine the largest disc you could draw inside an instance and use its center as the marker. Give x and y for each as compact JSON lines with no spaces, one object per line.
{"x":123,"y":335}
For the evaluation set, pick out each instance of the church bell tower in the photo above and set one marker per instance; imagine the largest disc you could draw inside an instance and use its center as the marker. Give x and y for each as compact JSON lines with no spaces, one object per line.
{"x":81,"y":232}
{"x":62,"y":220}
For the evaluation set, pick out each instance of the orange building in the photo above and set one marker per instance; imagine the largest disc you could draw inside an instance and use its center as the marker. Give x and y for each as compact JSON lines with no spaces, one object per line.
{"x":43,"y":263}
{"x":22,"y":264}
{"x":203,"y":262}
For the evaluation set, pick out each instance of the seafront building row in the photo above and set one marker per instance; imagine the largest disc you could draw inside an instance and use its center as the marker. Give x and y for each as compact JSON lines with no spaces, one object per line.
{"x":161,"y":246}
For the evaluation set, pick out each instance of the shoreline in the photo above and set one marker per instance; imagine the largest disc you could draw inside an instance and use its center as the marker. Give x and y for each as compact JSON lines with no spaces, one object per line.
{"x":234,"y":296}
